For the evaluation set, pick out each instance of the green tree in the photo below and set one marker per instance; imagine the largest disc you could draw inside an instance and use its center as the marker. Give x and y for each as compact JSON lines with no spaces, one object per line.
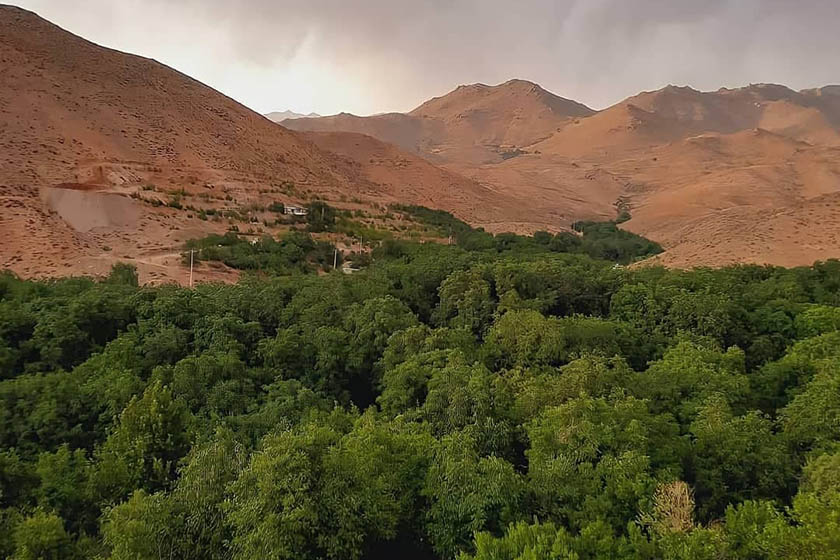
{"x":523,"y":542}
{"x":273,"y":509}
{"x":468,"y":493}
{"x":466,"y":301}
{"x":144,"y":527}
{"x":689,"y":374}
{"x":735,"y":459}
{"x":594,"y":459}
{"x":812,"y":419}
{"x":320,"y":216}
{"x":143,"y":451}
{"x":465,"y":397}
{"x":816,"y":320}
{"x":64,"y":488}
{"x":123,"y":274}
{"x":41,"y":536}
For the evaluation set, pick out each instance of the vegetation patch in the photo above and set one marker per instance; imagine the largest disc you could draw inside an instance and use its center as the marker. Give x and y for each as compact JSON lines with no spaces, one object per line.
{"x":294,"y":252}
{"x":444,"y":402}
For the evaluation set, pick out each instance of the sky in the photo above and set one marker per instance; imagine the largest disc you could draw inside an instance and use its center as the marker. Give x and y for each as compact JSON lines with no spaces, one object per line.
{"x":372,"y":56}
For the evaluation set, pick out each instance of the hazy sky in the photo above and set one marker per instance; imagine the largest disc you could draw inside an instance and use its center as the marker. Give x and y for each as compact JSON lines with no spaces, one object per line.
{"x":368,"y":56}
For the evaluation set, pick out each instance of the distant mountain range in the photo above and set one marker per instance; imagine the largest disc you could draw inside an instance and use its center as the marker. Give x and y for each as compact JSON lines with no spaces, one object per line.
{"x":280,"y":116}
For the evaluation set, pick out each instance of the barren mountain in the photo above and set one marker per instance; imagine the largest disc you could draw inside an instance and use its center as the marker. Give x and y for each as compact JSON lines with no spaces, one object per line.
{"x":280,"y":116}
{"x":474,"y":123}
{"x":719,"y":177}
{"x":672,"y":113}
{"x":733,"y":175}
{"x":106,"y":155}
{"x":397,"y":176}
{"x":409,"y":133}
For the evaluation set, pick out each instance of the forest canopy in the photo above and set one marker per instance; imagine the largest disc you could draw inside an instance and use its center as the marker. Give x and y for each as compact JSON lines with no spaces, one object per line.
{"x":464,"y":401}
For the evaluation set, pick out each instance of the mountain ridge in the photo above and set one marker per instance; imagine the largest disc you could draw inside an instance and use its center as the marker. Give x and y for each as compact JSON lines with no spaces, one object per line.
{"x":280,"y":116}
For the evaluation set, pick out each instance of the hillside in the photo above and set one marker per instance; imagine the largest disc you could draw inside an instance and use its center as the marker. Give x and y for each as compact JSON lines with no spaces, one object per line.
{"x":744,"y":175}
{"x":409,"y":133}
{"x":403,"y":178}
{"x":106,"y":155}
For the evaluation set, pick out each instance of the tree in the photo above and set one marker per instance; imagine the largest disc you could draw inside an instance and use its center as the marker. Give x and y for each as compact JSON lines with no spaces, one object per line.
{"x":320,"y":217}
{"x":371,"y":488}
{"x":537,"y":389}
{"x":64,"y":488}
{"x":145,"y":527}
{"x":816,"y":320}
{"x":593,"y":459}
{"x":735,"y":459}
{"x":522,"y":542}
{"x":405,"y":385}
{"x":465,"y":398}
{"x":689,"y":374}
{"x":143,"y":451}
{"x":41,"y":536}
{"x":369,"y":326}
{"x":812,"y":419}
{"x":273,"y":508}
{"x":40,"y":412}
{"x":527,"y":338}
{"x":213,"y":382}
{"x":466,"y":301}
{"x":468,"y":493}
{"x":123,"y":274}
{"x":816,"y":514}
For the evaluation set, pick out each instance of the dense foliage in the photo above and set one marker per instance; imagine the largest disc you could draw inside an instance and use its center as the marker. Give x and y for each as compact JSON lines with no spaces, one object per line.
{"x":599,"y":240}
{"x":295,"y":252}
{"x":442,"y":403}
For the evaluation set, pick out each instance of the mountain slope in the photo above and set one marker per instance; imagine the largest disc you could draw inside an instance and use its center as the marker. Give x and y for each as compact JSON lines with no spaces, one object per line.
{"x":77,"y":116}
{"x":106,"y":155}
{"x":474,"y":123}
{"x":404,"y":178}
{"x":514,"y":114}
{"x":405,"y":131}
{"x":672,"y":113}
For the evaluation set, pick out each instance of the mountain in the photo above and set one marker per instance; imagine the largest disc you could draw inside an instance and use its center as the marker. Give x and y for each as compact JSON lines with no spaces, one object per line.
{"x":401,"y":130}
{"x":106,"y":155}
{"x":280,"y":116}
{"x":672,"y":113}
{"x":402,"y":177}
{"x":474,"y":123}
{"x":747,"y":174}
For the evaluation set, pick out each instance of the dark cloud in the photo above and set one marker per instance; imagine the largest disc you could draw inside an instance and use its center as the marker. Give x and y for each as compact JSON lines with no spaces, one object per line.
{"x":393,"y":54}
